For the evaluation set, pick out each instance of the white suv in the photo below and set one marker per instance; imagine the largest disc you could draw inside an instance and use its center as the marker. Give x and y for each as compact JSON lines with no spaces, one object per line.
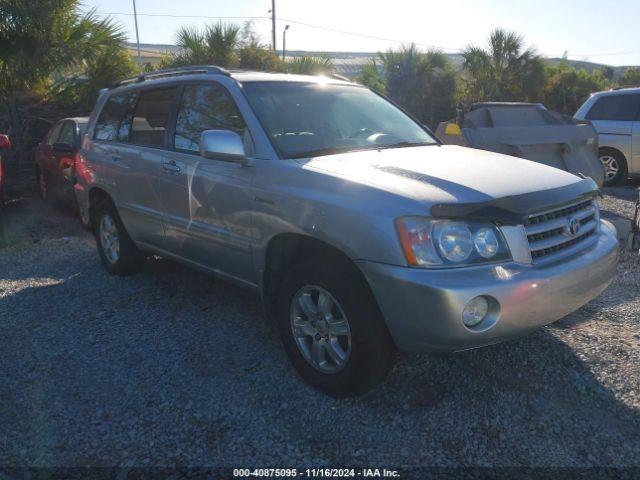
{"x":615,"y":114}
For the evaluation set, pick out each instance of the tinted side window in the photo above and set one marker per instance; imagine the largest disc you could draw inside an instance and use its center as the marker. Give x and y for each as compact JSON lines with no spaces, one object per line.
{"x":124,"y":130}
{"x":151,"y":117}
{"x":205,"y":107}
{"x":54,"y":134}
{"x":82,"y":127}
{"x":615,"y":107}
{"x":110,"y":117}
{"x":68,"y":134}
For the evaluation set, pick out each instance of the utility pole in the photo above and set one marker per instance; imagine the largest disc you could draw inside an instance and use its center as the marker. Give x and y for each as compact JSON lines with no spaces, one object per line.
{"x":135,"y":20}
{"x":273,"y":25}
{"x":284,"y":41}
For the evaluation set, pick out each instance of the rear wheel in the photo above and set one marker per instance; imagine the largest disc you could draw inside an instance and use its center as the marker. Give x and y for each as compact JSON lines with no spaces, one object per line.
{"x":43,"y":185}
{"x":615,"y":166}
{"x":332,"y":329}
{"x":118,"y":253}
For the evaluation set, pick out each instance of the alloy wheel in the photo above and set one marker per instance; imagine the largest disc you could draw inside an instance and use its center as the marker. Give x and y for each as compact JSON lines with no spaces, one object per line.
{"x":611,"y":166}
{"x":320,"y":329}
{"x":109,"y":239}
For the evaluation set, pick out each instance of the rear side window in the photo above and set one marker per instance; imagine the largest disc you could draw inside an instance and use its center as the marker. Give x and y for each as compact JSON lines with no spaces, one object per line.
{"x":68,"y":134}
{"x":54,"y":134}
{"x":111,"y":116}
{"x":205,"y":107}
{"x":151,"y":117}
{"x":615,"y":107}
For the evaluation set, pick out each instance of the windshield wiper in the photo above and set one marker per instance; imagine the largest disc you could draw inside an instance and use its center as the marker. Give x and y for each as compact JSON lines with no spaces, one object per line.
{"x":334,"y":150}
{"x":405,"y":144}
{"x":329,"y":151}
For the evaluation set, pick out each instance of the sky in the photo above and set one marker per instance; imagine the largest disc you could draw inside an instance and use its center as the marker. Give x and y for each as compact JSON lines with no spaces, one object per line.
{"x":599,"y":31}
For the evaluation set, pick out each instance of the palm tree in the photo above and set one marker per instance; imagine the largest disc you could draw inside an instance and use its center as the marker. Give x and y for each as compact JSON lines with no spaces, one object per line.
{"x":505,"y":71}
{"x":422,"y":82}
{"x":44,"y":40}
{"x":255,"y":55}
{"x":45,"y":46}
{"x":217,"y":44}
{"x":310,"y":65}
{"x":371,"y":77}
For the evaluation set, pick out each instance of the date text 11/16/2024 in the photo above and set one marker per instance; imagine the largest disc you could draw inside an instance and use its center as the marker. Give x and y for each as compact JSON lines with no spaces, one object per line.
{"x":315,"y":473}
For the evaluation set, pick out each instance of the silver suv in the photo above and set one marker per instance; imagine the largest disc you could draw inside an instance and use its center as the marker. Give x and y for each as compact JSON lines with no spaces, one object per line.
{"x":615,"y":114}
{"x":361,"y":231}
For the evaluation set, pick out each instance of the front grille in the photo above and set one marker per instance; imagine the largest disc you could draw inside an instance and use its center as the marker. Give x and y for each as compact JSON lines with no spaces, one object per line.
{"x":550,"y":232}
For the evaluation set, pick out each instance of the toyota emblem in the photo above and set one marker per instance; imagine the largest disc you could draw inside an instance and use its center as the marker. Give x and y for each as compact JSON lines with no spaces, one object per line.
{"x":573,"y":227}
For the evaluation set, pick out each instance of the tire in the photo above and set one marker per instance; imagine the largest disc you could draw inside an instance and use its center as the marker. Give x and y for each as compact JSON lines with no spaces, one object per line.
{"x":615,"y":166}
{"x":43,"y":185}
{"x":367,"y":346}
{"x":118,"y":253}
{"x":85,"y":223}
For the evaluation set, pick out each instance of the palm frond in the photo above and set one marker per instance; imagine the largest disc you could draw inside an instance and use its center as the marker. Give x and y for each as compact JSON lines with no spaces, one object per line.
{"x":310,"y":65}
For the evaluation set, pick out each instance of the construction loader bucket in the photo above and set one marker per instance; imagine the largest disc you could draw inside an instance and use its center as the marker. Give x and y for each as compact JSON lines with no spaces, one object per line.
{"x":530,"y":131}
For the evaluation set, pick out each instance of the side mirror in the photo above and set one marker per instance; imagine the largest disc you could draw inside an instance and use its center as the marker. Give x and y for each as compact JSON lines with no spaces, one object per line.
{"x":223,"y":145}
{"x":62,"y":147}
{"x":4,"y":141}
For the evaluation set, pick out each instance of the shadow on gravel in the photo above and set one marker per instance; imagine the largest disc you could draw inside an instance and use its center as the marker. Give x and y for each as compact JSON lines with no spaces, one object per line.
{"x":173,"y":367}
{"x":28,"y":220}
{"x":625,"y":192}
{"x":177,"y":357}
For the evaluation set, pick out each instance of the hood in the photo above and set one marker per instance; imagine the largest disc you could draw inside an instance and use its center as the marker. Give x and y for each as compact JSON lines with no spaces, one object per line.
{"x":443,"y":174}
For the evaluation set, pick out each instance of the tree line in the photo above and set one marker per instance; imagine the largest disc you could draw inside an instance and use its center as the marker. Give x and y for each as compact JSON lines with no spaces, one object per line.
{"x":54,"y":60}
{"x":504,"y":71}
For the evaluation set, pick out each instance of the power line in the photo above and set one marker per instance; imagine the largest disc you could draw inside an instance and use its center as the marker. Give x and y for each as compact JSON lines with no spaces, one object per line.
{"x":364,"y":35}
{"x":296,"y":22}
{"x":183,"y":16}
{"x":345,"y":32}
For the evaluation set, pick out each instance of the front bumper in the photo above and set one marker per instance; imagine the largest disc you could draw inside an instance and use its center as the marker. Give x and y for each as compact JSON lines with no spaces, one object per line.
{"x":423,"y":308}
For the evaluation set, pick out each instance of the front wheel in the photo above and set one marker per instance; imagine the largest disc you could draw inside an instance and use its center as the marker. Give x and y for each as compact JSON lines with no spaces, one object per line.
{"x":118,"y":253}
{"x":332,"y":329}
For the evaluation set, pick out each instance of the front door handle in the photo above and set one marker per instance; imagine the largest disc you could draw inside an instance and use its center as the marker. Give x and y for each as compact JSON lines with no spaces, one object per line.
{"x":171,"y":167}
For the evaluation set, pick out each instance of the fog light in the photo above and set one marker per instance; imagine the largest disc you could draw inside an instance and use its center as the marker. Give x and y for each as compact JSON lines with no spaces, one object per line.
{"x":475,"y":311}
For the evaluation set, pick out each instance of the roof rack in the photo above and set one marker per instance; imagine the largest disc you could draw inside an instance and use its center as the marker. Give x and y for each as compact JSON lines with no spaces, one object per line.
{"x":172,"y":72}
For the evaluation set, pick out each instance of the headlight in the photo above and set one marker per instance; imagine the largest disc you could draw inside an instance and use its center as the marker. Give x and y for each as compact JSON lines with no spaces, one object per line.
{"x":441,"y":243}
{"x":486,"y":242}
{"x":454,"y":241}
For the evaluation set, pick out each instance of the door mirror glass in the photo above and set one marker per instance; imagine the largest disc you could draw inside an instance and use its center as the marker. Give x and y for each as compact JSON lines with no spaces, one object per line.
{"x":222,"y":145}
{"x":62,"y":147}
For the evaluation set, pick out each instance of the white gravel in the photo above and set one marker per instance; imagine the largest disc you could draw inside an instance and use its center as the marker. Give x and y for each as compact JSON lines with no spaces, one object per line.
{"x":173,"y":367}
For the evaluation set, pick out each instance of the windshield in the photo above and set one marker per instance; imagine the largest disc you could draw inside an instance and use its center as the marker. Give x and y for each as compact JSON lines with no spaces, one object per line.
{"x":309,"y":119}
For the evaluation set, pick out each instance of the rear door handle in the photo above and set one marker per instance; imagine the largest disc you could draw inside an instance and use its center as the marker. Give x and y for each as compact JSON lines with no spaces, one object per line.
{"x":171,"y":167}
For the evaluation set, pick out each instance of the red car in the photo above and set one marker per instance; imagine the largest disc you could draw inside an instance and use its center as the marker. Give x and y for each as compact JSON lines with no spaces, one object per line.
{"x":4,"y":143}
{"x":56,"y":158}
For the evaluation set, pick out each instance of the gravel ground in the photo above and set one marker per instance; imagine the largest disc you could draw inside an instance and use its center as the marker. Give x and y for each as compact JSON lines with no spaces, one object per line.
{"x":173,"y":367}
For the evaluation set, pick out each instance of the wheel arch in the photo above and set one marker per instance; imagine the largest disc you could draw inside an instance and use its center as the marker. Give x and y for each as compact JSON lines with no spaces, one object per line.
{"x":608,"y":148}
{"x":97,"y":195}
{"x":284,"y":250}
